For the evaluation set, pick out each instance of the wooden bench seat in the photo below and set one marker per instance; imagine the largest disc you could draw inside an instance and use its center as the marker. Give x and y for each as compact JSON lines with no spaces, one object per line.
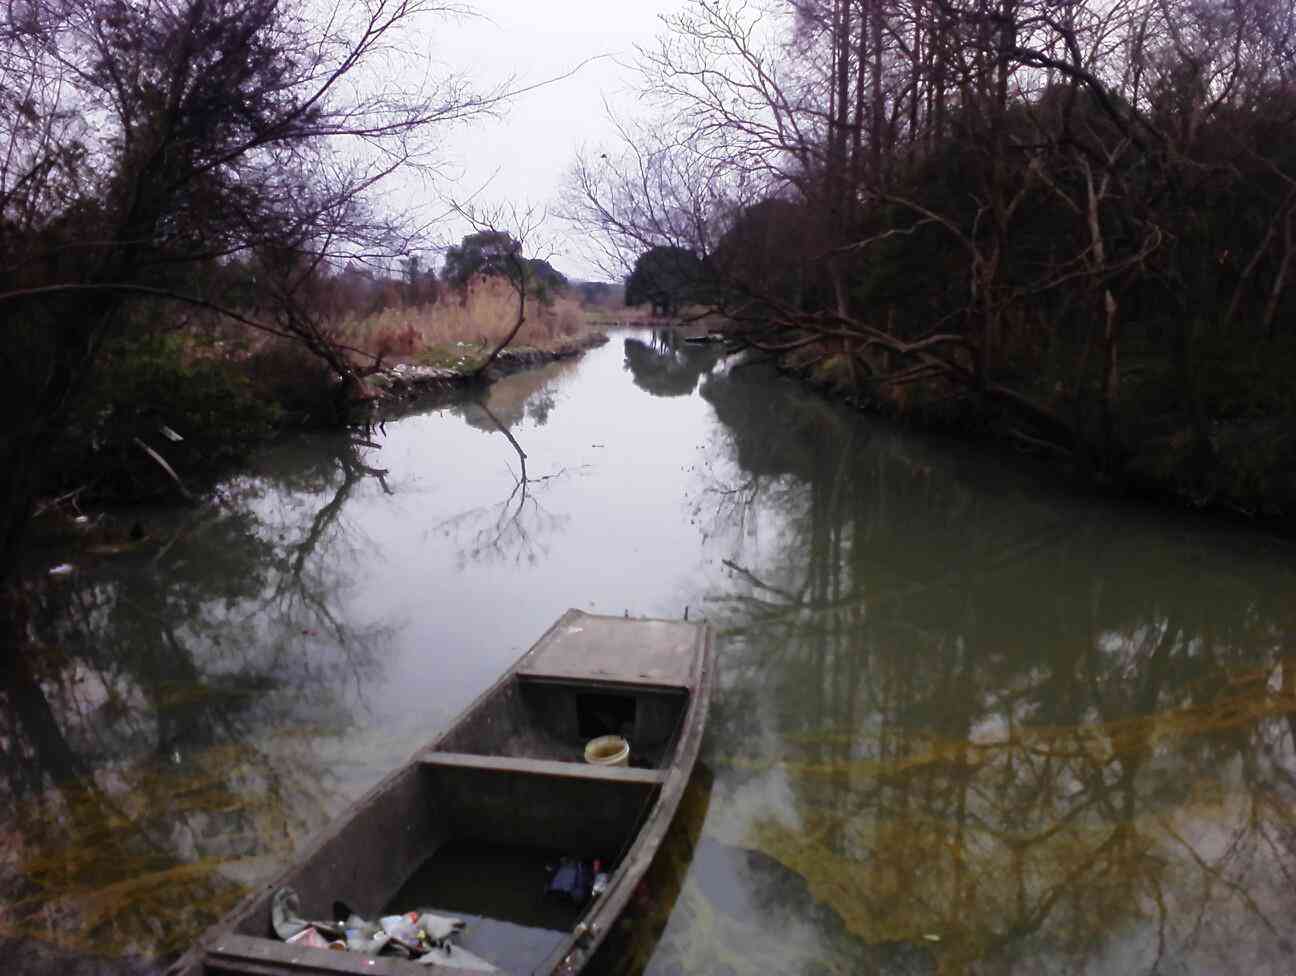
{"x":543,"y":767}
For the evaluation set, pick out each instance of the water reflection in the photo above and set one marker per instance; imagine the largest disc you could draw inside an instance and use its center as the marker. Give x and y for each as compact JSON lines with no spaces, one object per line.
{"x":998,"y":723}
{"x":964,"y":722}
{"x":530,"y":395}
{"x":515,"y":529}
{"x":667,"y":365}
{"x":156,"y":751}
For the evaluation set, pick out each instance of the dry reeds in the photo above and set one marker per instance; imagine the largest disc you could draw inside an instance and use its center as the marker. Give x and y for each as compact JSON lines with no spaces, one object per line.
{"x":485,"y":313}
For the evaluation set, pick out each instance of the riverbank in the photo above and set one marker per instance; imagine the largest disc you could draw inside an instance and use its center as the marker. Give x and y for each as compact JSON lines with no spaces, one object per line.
{"x":448,"y":371}
{"x":1249,"y":476}
{"x":163,"y":425}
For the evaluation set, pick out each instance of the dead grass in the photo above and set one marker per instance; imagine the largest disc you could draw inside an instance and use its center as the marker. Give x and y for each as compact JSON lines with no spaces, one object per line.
{"x":643,"y":315}
{"x":484,"y":315}
{"x":624,"y":315}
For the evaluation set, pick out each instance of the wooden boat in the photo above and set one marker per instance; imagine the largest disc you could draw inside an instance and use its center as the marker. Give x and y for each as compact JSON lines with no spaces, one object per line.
{"x":506,"y":784}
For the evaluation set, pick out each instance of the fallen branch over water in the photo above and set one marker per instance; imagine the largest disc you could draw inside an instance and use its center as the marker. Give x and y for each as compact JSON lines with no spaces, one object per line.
{"x":162,"y":463}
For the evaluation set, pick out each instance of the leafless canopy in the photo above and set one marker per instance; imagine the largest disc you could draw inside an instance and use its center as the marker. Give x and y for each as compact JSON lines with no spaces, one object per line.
{"x":144,"y":144}
{"x":980,"y":199}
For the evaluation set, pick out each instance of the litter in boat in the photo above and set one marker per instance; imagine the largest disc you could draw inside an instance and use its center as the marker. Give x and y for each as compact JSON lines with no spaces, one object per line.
{"x":309,"y":937}
{"x":600,"y":880}
{"x":285,"y":917}
{"x":571,"y":881}
{"x":421,"y":936}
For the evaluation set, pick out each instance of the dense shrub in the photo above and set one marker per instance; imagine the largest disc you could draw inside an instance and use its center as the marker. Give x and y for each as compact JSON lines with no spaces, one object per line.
{"x":147,"y":384}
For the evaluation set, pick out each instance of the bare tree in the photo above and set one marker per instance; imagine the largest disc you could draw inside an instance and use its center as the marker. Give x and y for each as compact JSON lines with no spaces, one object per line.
{"x":146,"y":144}
{"x":989,"y":198}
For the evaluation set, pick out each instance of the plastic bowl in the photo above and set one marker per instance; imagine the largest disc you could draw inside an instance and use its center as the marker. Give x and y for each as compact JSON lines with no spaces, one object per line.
{"x":608,"y":750}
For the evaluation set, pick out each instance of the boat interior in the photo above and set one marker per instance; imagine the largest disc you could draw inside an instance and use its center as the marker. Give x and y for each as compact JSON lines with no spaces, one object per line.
{"x":539,"y":718}
{"x":511,"y":775}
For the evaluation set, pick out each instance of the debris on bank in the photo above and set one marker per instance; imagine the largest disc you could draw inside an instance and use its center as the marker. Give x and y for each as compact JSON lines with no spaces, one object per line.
{"x":405,"y":381}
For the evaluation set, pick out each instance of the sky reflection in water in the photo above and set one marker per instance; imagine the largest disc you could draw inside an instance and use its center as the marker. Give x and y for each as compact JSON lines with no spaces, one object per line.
{"x":964,"y":723}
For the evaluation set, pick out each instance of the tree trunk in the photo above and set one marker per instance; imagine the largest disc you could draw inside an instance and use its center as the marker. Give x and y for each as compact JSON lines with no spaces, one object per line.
{"x":1280,"y":280}
{"x":1111,"y":376}
{"x":1203,"y":454}
{"x":857,"y":124}
{"x":875,"y":133}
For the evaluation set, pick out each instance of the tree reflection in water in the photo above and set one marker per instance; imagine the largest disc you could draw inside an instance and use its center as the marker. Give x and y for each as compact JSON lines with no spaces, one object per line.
{"x":667,"y":366}
{"x":157,"y":755}
{"x":962,"y":724}
{"x":988,"y":723}
{"x":515,"y":529}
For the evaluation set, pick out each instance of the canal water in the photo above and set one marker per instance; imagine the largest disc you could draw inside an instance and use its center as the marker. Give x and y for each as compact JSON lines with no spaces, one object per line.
{"x":965,"y":722}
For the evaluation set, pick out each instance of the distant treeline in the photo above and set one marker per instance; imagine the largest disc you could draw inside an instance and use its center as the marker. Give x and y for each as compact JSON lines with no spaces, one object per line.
{"x":355,"y":289}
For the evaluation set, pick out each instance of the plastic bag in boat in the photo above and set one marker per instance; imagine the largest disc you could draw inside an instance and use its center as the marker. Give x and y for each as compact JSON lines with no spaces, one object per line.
{"x":571,"y":881}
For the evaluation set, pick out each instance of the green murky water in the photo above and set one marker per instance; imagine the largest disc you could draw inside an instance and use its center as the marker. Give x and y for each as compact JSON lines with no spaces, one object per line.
{"x":965,"y":723}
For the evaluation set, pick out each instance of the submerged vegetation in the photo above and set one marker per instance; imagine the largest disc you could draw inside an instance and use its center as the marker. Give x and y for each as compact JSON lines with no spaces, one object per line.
{"x":159,"y":757}
{"x":1029,"y":741}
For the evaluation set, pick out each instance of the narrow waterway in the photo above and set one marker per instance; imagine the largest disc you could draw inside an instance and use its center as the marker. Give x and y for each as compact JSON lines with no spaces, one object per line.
{"x":964,"y":722}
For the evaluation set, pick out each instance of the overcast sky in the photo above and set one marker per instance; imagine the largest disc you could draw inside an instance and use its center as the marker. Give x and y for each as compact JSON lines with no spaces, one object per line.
{"x":531,"y":147}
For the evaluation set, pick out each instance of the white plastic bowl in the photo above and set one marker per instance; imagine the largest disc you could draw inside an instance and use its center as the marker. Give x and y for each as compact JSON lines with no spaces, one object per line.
{"x":608,"y":750}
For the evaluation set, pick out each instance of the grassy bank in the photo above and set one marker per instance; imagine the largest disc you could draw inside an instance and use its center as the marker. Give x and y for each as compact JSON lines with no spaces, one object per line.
{"x":196,"y":398}
{"x":1249,"y":470}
